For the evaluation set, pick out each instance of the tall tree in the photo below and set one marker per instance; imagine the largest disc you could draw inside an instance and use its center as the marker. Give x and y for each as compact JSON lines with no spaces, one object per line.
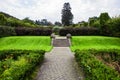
{"x":67,"y":16}
{"x":104,"y":17}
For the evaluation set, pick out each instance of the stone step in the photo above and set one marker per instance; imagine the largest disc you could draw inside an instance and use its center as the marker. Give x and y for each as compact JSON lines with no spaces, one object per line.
{"x":61,"y":43}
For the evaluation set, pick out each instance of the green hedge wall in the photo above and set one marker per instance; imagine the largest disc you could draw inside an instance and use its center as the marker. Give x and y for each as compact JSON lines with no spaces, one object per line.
{"x":21,"y":67}
{"x":94,"y":68}
{"x":79,"y":31}
{"x":24,"y":31}
{"x":7,"y":31}
{"x":21,"y":31}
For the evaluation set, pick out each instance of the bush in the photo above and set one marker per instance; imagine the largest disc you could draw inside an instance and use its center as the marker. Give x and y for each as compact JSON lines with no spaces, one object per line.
{"x":94,"y":69}
{"x":96,"y":24}
{"x":5,"y":64}
{"x":114,"y":54}
{"x":56,"y":29}
{"x":79,"y":31}
{"x":12,"y":53}
{"x":16,"y":22}
{"x":23,"y":66}
{"x":3,"y":19}
{"x":21,"y":31}
{"x":24,"y":31}
{"x":113,"y":26}
{"x":7,"y":31}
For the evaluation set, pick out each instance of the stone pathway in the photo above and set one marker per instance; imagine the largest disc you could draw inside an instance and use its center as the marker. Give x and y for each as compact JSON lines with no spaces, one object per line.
{"x":59,"y":64}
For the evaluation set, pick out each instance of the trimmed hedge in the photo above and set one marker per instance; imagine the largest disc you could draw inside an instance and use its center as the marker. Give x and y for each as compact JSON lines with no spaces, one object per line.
{"x":7,"y":31}
{"x":13,"y":53}
{"x":21,"y":31}
{"x":94,"y":68}
{"x":79,"y":31}
{"x":5,"y":64}
{"x":24,"y":31}
{"x":114,"y":54}
{"x":22,"y":67}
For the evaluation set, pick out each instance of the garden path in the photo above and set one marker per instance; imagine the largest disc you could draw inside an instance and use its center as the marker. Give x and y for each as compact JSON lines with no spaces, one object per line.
{"x":59,"y":64}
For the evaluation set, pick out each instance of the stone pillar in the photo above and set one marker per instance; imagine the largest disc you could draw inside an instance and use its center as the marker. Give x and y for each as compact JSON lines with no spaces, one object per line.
{"x":69,"y":38}
{"x":52,"y":38}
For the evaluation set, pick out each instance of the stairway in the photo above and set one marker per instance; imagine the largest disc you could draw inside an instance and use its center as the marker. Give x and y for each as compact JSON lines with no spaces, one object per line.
{"x":61,"y":43}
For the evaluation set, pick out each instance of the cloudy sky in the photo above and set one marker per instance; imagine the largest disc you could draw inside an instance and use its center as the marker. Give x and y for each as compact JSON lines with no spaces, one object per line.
{"x":51,"y":9}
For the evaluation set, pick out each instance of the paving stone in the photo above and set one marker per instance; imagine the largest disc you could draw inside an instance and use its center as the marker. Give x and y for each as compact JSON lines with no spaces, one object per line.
{"x":59,"y":64}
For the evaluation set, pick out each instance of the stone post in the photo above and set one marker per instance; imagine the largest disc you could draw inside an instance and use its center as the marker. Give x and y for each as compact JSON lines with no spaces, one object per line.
{"x":52,"y":38}
{"x":69,"y":37}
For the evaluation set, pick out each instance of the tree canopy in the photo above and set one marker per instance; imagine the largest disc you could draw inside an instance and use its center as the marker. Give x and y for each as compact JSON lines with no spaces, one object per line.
{"x":67,"y":16}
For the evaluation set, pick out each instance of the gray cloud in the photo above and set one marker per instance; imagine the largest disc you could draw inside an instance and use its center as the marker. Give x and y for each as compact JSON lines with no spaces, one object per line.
{"x":51,"y":9}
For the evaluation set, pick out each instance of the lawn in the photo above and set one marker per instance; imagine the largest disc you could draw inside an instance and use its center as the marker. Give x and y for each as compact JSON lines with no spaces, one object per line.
{"x":26,"y":43}
{"x":94,"y":42}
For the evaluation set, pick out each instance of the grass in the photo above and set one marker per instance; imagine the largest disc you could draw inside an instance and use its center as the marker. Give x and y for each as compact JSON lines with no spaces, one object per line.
{"x":25,"y":43}
{"x":95,"y":42}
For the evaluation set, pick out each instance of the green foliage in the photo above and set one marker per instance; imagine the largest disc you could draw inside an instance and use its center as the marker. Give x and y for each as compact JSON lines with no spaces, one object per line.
{"x":106,"y":25}
{"x":104,"y":17}
{"x":5,"y":64}
{"x":24,"y":31}
{"x":57,"y":23}
{"x":67,"y":15}
{"x":114,"y":26}
{"x":95,"y":42}
{"x":23,"y":66}
{"x":83,"y":24}
{"x":12,"y":22}
{"x":27,"y":20}
{"x":111,"y":55}
{"x":3,"y":19}
{"x":7,"y":31}
{"x":7,"y":20}
{"x":16,"y":23}
{"x":40,"y":31}
{"x":94,"y":69}
{"x":92,"y":20}
{"x":96,"y":24}
{"x":7,"y":15}
{"x":75,"y":31}
{"x":26,"y":43}
{"x":56,"y":29}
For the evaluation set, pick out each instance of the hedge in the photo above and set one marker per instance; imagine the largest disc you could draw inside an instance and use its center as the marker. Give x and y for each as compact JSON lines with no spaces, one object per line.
{"x":13,"y":53}
{"x":24,"y":31}
{"x":21,"y":31}
{"x":22,"y":67}
{"x":7,"y":31}
{"x":79,"y":31}
{"x":94,"y":68}
{"x":112,"y":54}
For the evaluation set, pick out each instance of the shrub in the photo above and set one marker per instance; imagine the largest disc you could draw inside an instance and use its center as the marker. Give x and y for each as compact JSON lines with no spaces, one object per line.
{"x":96,"y":24}
{"x":12,"y":53}
{"x":56,"y":29}
{"x":79,"y":31}
{"x":94,"y":69}
{"x":5,"y":64}
{"x":21,"y":31}
{"x":16,"y":22}
{"x":114,"y":54}
{"x":23,"y":66}
{"x":3,"y":19}
{"x":7,"y":31}
{"x":113,"y":26}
